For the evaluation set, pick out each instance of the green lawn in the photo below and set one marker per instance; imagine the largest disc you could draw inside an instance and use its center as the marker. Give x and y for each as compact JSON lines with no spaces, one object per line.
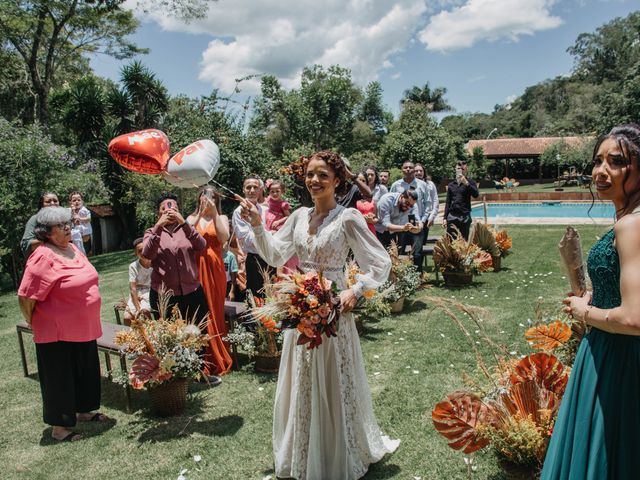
{"x":413,"y":361}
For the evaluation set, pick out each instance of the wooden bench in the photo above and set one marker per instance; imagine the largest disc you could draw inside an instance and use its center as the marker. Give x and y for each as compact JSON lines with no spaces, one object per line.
{"x":106,"y":344}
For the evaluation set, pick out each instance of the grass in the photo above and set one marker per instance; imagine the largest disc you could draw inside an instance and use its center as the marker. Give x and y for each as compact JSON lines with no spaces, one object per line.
{"x":413,"y":360}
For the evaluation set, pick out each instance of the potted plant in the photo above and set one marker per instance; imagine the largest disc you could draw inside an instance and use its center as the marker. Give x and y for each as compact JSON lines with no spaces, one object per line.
{"x":484,"y":238}
{"x":515,"y":408}
{"x":404,"y":280}
{"x":458,"y":260}
{"x":167,"y":354}
{"x":504,"y":242}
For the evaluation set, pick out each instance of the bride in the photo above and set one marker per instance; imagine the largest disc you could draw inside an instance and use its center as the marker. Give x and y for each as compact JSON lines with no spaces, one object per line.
{"x":323,"y":422}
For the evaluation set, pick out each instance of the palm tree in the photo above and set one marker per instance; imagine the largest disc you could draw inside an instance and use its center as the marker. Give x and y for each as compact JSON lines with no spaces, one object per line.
{"x":433,"y":99}
{"x":142,"y":99}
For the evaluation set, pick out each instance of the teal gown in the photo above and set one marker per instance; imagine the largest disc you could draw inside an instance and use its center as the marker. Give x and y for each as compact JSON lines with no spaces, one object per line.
{"x":595,"y":436}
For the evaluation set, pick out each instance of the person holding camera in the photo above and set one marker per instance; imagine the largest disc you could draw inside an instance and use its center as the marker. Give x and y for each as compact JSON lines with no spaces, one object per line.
{"x":457,"y":209}
{"x":171,"y":245}
{"x":421,"y":214}
{"x":393,"y":214}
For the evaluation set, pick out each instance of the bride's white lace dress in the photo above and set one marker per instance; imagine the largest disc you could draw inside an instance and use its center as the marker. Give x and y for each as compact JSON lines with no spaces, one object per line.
{"x":323,"y":423}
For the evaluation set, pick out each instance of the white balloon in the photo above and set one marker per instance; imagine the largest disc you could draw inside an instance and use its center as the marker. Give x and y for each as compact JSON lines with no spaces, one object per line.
{"x":193,"y":166}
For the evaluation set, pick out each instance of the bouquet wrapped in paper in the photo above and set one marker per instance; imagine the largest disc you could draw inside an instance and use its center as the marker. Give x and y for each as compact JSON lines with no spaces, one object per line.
{"x":571,"y":253}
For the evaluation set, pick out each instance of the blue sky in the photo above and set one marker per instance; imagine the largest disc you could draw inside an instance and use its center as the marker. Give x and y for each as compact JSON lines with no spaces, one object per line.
{"x":483,"y":51}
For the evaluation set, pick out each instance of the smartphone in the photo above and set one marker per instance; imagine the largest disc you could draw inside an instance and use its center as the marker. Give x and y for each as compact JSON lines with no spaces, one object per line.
{"x":170,"y":204}
{"x":458,"y":174}
{"x":412,"y":219}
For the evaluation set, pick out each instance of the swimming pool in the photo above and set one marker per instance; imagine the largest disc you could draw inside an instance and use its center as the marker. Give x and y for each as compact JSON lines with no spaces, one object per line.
{"x":547,"y":210}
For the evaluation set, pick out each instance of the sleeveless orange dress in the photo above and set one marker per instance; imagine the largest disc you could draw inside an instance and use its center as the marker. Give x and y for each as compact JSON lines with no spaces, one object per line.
{"x":214,"y":283}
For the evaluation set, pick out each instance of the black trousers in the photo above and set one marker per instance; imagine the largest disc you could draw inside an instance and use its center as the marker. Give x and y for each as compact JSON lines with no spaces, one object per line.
{"x":194,"y":303}
{"x":69,"y":374}
{"x":463,"y":225}
{"x":255,"y":267}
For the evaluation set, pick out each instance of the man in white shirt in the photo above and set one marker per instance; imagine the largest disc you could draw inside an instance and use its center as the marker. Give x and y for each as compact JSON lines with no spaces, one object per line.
{"x":431,"y":199}
{"x":393,"y":215}
{"x":255,"y":265}
{"x":423,"y":214}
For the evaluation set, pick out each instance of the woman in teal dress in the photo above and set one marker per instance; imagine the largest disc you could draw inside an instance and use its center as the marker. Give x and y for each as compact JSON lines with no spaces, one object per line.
{"x":597,"y":430}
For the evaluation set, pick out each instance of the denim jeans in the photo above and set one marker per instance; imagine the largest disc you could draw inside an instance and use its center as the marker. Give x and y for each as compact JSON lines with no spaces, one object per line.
{"x":416,"y":240}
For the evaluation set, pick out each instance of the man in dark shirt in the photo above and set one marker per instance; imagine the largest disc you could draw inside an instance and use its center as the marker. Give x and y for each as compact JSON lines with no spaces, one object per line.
{"x":457,"y":210}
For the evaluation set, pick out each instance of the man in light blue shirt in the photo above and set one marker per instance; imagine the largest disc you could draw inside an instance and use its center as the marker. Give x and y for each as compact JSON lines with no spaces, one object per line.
{"x":393,"y":215}
{"x":422,"y":211}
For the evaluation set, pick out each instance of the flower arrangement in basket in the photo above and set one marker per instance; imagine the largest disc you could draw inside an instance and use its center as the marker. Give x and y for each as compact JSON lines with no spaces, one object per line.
{"x":516,"y":415}
{"x":504,"y":241}
{"x":403,"y":282}
{"x":307,"y":302}
{"x":164,"y":350}
{"x":460,"y":256}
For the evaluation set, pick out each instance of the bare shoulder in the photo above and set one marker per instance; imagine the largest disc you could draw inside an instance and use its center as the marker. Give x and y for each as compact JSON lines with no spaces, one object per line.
{"x":627,"y":232}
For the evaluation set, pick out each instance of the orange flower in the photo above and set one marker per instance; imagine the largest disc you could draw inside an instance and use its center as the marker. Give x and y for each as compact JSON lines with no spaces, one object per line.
{"x":315,"y":319}
{"x":324,"y":311}
{"x":369,"y":294}
{"x":309,"y":332}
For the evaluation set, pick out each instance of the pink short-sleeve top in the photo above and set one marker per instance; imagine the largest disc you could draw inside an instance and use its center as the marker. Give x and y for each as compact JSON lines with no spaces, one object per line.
{"x":67,"y":297}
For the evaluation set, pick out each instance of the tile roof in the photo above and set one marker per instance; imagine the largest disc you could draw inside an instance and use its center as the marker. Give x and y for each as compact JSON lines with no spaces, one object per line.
{"x":521,"y":147}
{"x":101,"y":210}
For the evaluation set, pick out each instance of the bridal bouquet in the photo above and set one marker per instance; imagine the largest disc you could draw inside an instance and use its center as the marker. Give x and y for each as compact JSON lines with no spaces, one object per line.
{"x":307,"y":302}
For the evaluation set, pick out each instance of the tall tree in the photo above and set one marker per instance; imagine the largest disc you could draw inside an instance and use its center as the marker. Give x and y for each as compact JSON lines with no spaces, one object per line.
{"x":51,"y":34}
{"x":417,"y":137}
{"x":432,"y":99}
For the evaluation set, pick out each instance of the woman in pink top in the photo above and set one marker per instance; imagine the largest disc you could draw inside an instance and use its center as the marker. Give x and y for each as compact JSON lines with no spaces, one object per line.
{"x":59,"y":298}
{"x":367,"y":208}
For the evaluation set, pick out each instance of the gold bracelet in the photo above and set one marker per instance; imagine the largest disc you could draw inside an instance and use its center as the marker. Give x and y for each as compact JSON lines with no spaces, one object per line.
{"x":586,"y":313}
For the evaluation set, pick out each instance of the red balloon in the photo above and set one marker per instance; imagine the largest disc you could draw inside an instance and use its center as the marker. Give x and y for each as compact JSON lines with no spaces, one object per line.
{"x":145,"y":151}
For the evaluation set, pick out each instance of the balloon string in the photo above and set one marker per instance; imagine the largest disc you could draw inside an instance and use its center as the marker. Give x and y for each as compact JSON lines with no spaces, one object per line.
{"x":211,"y":180}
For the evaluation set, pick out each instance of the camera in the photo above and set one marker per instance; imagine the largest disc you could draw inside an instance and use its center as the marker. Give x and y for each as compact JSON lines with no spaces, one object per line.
{"x":170,"y":204}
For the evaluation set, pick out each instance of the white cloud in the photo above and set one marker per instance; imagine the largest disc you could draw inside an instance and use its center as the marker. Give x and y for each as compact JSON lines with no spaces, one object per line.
{"x":478,"y":20}
{"x":395,"y":76}
{"x":253,"y":37}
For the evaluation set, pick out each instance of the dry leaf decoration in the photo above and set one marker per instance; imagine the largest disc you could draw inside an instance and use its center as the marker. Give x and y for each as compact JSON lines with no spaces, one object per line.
{"x":548,"y":336}
{"x":458,"y":418}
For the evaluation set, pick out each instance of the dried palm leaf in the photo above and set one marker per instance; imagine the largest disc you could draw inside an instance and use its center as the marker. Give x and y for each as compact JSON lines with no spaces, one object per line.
{"x":458,"y":418}
{"x":544,"y":369}
{"x":483,"y":237}
{"x":548,"y":336}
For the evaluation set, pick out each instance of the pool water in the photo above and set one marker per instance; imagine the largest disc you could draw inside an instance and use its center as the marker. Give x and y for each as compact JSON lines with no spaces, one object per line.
{"x":547,"y":210}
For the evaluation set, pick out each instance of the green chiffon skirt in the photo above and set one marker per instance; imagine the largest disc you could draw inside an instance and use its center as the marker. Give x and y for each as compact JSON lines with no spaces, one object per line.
{"x":597,"y":432}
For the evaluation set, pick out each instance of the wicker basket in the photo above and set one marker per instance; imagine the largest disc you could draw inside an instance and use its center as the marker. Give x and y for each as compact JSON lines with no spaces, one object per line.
{"x":169,"y":398}
{"x":398,"y":305}
{"x":496,"y":263}
{"x":267,"y":362}
{"x":457,"y":279}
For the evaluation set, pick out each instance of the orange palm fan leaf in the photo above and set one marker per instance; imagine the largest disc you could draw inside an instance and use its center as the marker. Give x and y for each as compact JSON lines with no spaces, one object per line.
{"x":548,"y":336}
{"x":528,"y":399}
{"x":544,"y":369}
{"x":457,"y":419}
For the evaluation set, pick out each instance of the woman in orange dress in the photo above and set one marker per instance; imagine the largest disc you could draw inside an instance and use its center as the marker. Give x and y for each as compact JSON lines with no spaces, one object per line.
{"x":214,"y":227}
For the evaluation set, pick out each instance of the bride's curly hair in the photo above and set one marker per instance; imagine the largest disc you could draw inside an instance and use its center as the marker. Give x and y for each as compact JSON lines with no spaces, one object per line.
{"x":332,"y":159}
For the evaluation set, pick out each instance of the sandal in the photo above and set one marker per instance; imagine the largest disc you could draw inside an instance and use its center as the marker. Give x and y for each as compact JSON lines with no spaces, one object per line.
{"x":70,"y":437}
{"x":96,"y":417}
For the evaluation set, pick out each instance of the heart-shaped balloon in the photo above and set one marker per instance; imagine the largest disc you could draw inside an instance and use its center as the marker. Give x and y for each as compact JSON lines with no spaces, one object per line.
{"x":145,"y":151}
{"x":194,"y":165}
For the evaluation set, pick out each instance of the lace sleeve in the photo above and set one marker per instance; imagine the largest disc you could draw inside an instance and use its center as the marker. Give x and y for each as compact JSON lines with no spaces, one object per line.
{"x":371,"y":256}
{"x":277,"y":247}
